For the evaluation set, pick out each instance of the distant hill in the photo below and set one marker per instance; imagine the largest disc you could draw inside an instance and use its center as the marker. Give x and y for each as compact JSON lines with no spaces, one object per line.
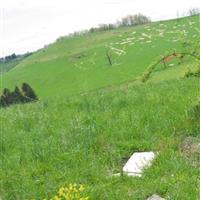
{"x":79,"y":64}
{"x":148,"y":101}
{"x":9,"y":62}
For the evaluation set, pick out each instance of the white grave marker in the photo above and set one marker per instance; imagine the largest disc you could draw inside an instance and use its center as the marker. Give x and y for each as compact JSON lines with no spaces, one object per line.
{"x":137,"y":162}
{"x":155,"y":197}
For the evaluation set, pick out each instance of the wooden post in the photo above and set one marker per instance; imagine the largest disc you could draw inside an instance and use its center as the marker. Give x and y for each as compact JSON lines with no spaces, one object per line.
{"x":164,"y":63}
{"x":109,"y":58}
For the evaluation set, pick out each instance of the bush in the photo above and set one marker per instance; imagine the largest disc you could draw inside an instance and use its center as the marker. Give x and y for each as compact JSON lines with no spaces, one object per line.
{"x":193,"y":11}
{"x":28,"y":92}
{"x":18,"y":96}
{"x":25,"y":95}
{"x":3,"y":101}
{"x":134,"y":20}
{"x":7,"y":96}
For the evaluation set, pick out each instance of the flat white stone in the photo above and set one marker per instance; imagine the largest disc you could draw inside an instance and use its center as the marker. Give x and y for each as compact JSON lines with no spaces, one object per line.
{"x":138,"y":162}
{"x":155,"y":197}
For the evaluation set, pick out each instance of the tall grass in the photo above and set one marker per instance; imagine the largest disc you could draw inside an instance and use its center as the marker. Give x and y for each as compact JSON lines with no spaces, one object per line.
{"x":85,"y":139}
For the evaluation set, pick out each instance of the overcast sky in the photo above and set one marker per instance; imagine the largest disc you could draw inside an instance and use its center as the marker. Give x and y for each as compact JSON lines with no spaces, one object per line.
{"x":27,"y":25}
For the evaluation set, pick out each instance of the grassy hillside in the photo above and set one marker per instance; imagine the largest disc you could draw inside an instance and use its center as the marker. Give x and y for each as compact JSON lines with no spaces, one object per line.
{"x":86,"y":138}
{"x":48,"y":144}
{"x":8,"y":63}
{"x":74,"y":65}
{"x":6,"y":66}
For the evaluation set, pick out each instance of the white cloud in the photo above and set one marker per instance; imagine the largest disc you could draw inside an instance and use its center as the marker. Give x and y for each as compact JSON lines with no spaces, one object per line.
{"x":26,"y":25}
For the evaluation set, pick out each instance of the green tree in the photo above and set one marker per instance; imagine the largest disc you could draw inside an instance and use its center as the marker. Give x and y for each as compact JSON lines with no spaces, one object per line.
{"x":29,"y":93}
{"x":17,"y":96}
{"x":7,"y":96}
{"x":2,"y":101}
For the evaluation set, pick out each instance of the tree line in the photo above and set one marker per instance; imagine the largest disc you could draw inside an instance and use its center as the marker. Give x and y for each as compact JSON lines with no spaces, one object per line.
{"x":129,"y":20}
{"x":24,"y":95}
{"x":14,"y":57}
{"x":194,"y":11}
{"x":10,"y":61}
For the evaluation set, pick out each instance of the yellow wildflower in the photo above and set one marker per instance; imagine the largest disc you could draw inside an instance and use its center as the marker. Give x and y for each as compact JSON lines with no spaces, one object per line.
{"x":81,"y":188}
{"x":57,"y":198}
{"x":61,"y":191}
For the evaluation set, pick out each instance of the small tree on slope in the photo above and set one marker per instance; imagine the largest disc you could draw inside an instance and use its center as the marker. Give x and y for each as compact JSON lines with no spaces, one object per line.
{"x":29,"y":92}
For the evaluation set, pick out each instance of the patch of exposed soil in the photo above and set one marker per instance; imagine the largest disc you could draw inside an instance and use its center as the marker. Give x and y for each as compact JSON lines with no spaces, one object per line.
{"x":190,"y":147}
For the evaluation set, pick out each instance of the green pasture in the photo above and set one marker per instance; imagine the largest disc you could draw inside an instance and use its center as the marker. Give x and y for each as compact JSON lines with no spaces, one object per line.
{"x":79,"y":64}
{"x":92,"y":116}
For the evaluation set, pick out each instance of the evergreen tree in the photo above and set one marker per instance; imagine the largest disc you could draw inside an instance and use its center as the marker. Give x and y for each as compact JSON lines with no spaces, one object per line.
{"x":29,"y":92}
{"x":7,"y":96}
{"x":18,"y":96}
{"x":2,"y":101}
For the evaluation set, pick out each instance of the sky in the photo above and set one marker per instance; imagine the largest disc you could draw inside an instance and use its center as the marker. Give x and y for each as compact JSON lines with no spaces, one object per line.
{"x":28,"y":25}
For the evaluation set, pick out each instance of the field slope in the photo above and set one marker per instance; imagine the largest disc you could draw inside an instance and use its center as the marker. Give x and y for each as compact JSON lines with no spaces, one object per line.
{"x":87,"y":138}
{"x":79,"y":64}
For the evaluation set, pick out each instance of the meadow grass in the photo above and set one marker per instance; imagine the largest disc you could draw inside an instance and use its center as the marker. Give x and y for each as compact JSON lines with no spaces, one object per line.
{"x":78,"y":64}
{"x":6,"y":66}
{"x":78,"y":134}
{"x":85,"y":139}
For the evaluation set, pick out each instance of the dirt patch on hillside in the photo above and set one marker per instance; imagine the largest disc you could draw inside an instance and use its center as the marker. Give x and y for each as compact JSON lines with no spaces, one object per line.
{"x":190,"y":147}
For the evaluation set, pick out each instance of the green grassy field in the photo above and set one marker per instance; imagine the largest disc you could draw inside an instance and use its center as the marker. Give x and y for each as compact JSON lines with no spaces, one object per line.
{"x":8,"y":64}
{"x":79,"y":64}
{"x":85,"y":139}
{"x":85,"y":134}
{"x":4,"y":67}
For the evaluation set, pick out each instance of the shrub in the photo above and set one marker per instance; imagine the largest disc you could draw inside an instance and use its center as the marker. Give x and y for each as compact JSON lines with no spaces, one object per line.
{"x":7,"y":96}
{"x":18,"y":96}
{"x":25,"y":95}
{"x":2,"y":101}
{"x":134,"y":20}
{"x":28,"y":92}
{"x":193,"y":11}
